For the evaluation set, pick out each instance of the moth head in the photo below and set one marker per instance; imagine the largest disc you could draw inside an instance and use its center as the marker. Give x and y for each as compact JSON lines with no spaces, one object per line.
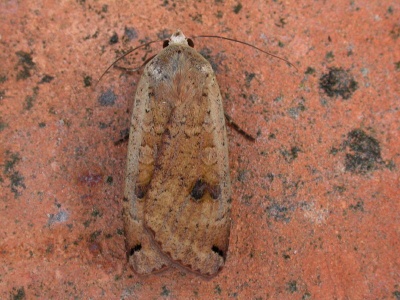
{"x":178,"y":38}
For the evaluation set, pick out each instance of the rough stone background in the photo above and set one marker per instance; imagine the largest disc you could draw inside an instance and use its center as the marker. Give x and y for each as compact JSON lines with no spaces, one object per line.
{"x":315,"y":197}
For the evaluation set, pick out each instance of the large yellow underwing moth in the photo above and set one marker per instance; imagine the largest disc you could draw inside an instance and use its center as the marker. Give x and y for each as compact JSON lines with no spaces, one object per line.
{"x":177,"y":191}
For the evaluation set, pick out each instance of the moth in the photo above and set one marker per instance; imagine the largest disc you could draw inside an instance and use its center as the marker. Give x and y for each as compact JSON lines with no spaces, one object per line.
{"x":177,"y":198}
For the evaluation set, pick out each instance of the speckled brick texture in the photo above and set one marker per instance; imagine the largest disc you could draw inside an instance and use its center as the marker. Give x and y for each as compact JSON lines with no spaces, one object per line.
{"x":315,"y":198}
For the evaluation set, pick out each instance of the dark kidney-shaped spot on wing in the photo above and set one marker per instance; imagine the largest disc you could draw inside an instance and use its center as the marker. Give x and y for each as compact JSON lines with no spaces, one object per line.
{"x":215,"y":191}
{"x":201,"y":187}
{"x":198,"y":190}
{"x":141,"y":191}
{"x":338,"y":82}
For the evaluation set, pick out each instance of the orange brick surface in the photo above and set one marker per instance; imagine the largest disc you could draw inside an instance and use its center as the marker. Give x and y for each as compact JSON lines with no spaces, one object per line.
{"x":315,"y":198}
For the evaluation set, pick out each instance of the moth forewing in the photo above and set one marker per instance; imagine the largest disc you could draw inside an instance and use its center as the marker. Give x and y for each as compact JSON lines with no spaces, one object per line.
{"x":177,"y":191}
{"x":142,"y":255}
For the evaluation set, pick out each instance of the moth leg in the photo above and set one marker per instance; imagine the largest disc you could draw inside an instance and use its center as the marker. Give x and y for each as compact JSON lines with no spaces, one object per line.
{"x":124,"y":137}
{"x":238,"y":129}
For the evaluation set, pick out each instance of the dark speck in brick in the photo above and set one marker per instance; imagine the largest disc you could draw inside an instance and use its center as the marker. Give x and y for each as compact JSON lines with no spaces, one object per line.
{"x":107,"y":98}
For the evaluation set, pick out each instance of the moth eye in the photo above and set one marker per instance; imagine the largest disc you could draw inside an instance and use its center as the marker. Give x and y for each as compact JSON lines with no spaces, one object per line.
{"x":217,"y":250}
{"x":137,"y":248}
{"x":165,"y":44}
{"x":190,"y":43}
{"x":198,"y":189}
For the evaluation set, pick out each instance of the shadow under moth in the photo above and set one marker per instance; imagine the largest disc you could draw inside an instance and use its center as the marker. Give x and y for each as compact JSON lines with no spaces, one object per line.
{"x":177,"y":201}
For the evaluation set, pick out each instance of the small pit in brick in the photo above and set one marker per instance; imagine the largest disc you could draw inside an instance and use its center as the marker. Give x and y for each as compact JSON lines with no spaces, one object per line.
{"x":338,"y":82}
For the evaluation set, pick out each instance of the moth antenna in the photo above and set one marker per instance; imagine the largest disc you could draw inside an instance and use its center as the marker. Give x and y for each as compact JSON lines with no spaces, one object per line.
{"x":247,"y":44}
{"x":121,"y":57}
{"x":135,"y":69}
